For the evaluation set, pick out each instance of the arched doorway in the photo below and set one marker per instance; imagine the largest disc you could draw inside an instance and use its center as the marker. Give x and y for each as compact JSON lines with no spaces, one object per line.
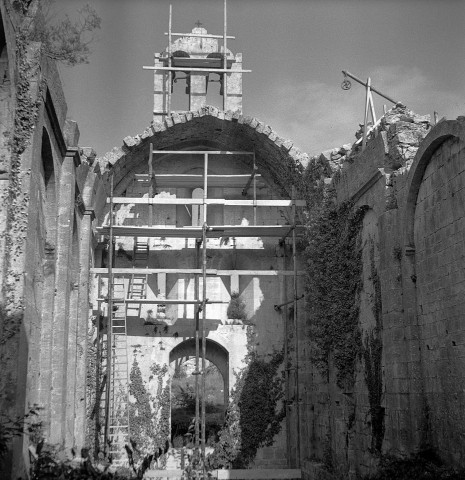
{"x":183,"y":377}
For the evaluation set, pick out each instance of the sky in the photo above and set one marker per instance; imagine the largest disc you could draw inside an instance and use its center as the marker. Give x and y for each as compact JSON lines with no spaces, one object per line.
{"x":413,"y":51}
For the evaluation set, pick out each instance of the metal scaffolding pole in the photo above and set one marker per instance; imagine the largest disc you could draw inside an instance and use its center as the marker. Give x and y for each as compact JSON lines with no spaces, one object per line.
{"x":204,"y":296}
{"x":197,"y":352}
{"x":109,"y":321}
{"x":296,"y":336}
{"x":169,"y":61}
{"x":225,"y":59}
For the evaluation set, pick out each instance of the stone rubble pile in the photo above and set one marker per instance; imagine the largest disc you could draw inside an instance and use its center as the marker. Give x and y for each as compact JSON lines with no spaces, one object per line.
{"x":404,"y":131}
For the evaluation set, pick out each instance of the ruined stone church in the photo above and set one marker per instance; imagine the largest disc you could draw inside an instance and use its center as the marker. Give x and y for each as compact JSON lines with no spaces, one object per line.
{"x":117,"y":268}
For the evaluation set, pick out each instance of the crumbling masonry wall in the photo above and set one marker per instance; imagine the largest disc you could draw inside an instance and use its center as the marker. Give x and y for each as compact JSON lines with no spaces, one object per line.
{"x":411,"y":176}
{"x":43,"y":282}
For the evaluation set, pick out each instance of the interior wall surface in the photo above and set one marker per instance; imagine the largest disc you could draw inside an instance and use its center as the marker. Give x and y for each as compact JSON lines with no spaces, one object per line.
{"x":31,"y":180}
{"x":151,"y":335}
{"x":414,"y":225}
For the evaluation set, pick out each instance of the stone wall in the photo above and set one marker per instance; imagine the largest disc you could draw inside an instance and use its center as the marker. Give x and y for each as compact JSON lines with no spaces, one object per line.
{"x":41,"y":178}
{"x":411,"y":177}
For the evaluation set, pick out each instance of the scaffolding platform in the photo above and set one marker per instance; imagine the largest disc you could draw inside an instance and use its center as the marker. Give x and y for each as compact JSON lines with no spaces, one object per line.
{"x":214,"y":231}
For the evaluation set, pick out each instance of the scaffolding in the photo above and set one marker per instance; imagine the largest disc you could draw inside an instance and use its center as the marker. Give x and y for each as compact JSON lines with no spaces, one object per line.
{"x":128,"y":287}
{"x":173,"y":64}
{"x":134,"y":291}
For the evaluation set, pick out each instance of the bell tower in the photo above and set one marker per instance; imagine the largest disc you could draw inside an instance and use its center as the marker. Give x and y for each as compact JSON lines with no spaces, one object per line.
{"x":198,"y":58}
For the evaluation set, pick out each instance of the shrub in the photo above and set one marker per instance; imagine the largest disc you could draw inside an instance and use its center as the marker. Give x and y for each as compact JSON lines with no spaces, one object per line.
{"x":236,"y":308}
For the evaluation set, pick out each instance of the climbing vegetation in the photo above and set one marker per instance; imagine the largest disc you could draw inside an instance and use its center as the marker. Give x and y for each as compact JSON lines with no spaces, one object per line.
{"x":254,"y":413}
{"x":333,"y":283}
{"x":424,"y":465}
{"x":148,"y":414}
{"x":372,"y":357}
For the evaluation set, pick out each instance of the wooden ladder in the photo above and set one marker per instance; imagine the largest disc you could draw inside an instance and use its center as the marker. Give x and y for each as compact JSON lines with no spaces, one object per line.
{"x":119,"y":384}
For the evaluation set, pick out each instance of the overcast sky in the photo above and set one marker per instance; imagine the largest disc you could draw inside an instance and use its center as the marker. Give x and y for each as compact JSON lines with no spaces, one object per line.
{"x":413,"y":50}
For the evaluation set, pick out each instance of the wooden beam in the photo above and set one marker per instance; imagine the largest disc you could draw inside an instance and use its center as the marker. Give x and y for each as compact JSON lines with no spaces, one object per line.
{"x":150,"y":474}
{"x":206,"y":62}
{"x":248,"y":474}
{"x":206,"y":70}
{"x":198,"y":201}
{"x":215,"y":231}
{"x":194,"y":271}
{"x":201,"y":35}
{"x":179,"y":180}
{"x":202,"y":152}
{"x":164,"y":301}
{"x":249,"y":181}
{"x":259,"y":474}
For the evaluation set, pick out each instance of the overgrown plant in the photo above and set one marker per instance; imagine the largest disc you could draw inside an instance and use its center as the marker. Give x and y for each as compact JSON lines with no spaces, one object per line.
{"x":236,"y":308}
{"x":27,"y":424}
{"x":148,"y":415}
{"x":66,"y":41}
{"x":333,"y":284}
{"x":372,"y":357}
{"x":424,"y":465}
{"x":254,"y":413}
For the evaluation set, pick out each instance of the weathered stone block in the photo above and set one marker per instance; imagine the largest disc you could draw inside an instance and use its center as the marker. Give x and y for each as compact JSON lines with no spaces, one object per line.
{"x":71,"y":133}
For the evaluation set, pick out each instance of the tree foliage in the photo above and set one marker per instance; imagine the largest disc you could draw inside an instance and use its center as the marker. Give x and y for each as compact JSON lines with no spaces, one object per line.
{"x":66,"y":41}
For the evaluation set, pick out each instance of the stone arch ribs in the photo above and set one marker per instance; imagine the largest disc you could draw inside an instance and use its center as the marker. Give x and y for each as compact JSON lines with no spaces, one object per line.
{"x":215,"y":353}
{"x":277,"y":158}
{"x":435,"y":138}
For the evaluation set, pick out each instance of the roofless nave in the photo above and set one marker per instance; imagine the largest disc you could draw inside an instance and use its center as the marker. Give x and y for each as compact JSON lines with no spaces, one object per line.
{"x":119,"y":268}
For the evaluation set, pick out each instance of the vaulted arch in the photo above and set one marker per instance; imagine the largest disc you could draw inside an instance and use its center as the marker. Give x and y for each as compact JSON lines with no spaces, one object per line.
{"x":215,"y":353}
{"x":278,"y":160}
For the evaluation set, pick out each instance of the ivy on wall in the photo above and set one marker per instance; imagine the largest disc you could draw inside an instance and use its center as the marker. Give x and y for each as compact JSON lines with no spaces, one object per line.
{"x":148,"y":415}
{"x":372,"y":357}
{"x":254,"y":416}
{"x":333,"y":284}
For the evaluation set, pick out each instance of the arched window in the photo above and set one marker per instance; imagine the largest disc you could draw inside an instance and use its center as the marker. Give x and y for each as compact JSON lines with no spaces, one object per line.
{"x":49,"y":188}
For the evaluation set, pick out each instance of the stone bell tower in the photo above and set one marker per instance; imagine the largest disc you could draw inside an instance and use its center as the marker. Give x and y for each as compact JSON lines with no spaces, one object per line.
{"x":198,"y":59}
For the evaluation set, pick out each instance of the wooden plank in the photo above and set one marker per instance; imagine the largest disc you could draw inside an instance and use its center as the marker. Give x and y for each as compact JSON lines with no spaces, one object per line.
{"x":201,"y":35}
{"x":161,"y":301}
{"x":208,"y":62}
{"x":198,"y":201}
{"x":248,"y":474}
{"x":202,"y":152}
{"x":163,"y":474}
{"x":236,"y":181}
{"x":194,"y":271}
{"x":216,"y":231}
{"x":257,"y":474}
{"x":206,"y":70}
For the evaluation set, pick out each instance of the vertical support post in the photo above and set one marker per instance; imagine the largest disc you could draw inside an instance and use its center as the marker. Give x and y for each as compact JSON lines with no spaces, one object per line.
{"x":225,"y":59}
{"x":365,"y":121}
{"x":160,"y":93}
{"x":169,"y":59}
{"x":197,"y":348}
{"x":368,"y":105}
{"x":284,"y":316}
{"x":296,"y":335}
{"x":204,"y":296}
{"x":254,"y":191}
{"x":109,"y":320}
{"x":197,"y":352}
{"x":98,"y":356}
{"x":150,"y":185}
